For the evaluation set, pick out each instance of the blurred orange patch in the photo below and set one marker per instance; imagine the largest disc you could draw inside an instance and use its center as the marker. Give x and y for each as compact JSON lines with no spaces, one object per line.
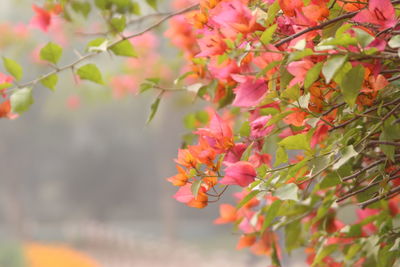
{"x":39,"y":255}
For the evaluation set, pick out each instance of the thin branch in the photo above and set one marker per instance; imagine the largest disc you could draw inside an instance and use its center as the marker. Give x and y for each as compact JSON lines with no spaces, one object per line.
{"x":93,"y":54}
{"x":379,"y":124}
{"x":354,"y":175}
{"x":333,"y":108}
{"x":388,"y":143}
{"x":357,"y":116}
{"x":318,"y":27}
{"x":346,"y":196}
{"x":387,"y":195}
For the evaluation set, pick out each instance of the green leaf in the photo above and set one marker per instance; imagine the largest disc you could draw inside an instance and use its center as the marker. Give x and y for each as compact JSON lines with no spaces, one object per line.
{"x":50,"y":81}
{"x":13,"y":68}
{"x":287,"y":191}
{"x":269,"y":67}
{"x":352,"y":251}
{"x":341,"y":73}
{"x":324,"y":252}
{"x":292,"y":93}
{"x":103,"y":4}
{"x":266,"y":36}
{"x":118,"y":24}
{"x":247,"y":198}
{"x":124,"y":48}
{"x":363,"y":37}
{"x":278,"y":117}
{"x":245,"y":129}
{"x":152,"y":3}
{"x":299,"y":141}
{"x":90,"y":72}
{"x":346,"y":154}
{"x":281,"y":156}
{"x":21,"y":100}
{"x":300,"y":54}
{"x":82,"y":7}
{"x":5,"y":86}
{"x":51,"y":52}
{"x":272,"y":12}
{"x":390,"y":132}
{"x":153,"y":108}
{"x":394,"y":41}
{"x":271,"y":213}
{"x":246,"y":154}
{"x":351,"y":84}
{"x":195,"y":187}
{"x":332,"y":65}
{"x":135,"y":9}
{"x":97,"y":45}
{"x":293,"y":235}
{"x":332,"y":179}
{"x":312,"y":75}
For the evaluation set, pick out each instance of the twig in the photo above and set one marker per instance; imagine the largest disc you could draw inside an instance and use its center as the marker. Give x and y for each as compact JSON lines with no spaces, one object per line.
{"x":93,"y":54}
{"x":357,"y":116}
{"x":364,"y":189}
{"x":387,"y":195}
{"x":388,"y":143}
{"x":363,"y":170}
{"x":318,"y":27}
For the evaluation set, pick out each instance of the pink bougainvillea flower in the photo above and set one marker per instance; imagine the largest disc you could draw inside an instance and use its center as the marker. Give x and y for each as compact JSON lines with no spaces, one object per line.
{"x":73,"y":102}
{"x":379,"y":12}
{"x":241,"y":173}
{"x":299,"y":70}
{"x":320,"y":134}
{"x":43,"y":18}
{"x":227,"y":214}
{"x":219,"y":134}
{"x":5,"y":79}
{"x":122,"y":85}
{"x":223,"y":71}
{"x":211,"y":44}
{"x":235,"y":153}
{"x":254,"y":202}
{"x":258,"y":159}
{"x":249,"y":92}
{"x":185,"y":195}
{"x":365,"y":213}
{"x":233,"y":17}
{"x":259,"y":127}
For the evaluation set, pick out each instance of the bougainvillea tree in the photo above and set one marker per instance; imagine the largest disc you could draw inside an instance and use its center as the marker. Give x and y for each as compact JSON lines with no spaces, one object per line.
{"x":302,"y":117}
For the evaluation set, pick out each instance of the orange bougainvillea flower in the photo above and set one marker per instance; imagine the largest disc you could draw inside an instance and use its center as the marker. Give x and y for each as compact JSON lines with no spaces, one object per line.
{"x":263,"y":246}
{"x":227,"y":214}
{"x":185,"y":158}
{"x":296,"y":118}
{"x":180,"y":179}
{"x":39,"y":255}
{"x":246,"y":241}
{"x":289,"y":6}
{"x":316,"y":10}
{"x":5,"y":109}
{"x":353,"y":6}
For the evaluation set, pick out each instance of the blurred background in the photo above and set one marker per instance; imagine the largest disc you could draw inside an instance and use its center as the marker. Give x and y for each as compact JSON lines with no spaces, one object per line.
{"x":83,"y":176}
